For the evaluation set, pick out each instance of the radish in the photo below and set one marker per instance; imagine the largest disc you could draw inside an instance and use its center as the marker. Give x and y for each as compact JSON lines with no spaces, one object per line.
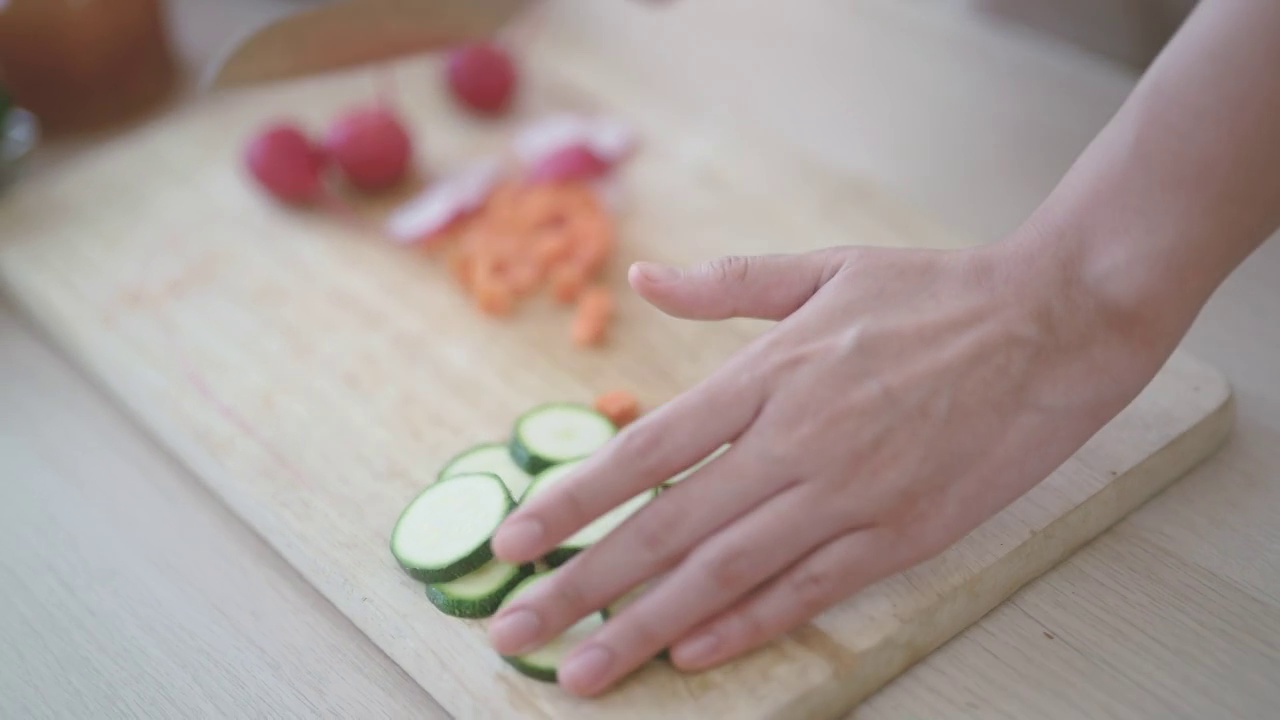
{"x":444,"y":202}
{"x":572,"y":162}
{"x":286,"y":164}
{"x":610,"y":141}
{"x":482,"y":77}
{"x":371,"y":147}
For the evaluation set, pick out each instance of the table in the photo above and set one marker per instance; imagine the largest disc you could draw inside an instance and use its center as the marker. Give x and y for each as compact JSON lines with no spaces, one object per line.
{"x":131,"y":592}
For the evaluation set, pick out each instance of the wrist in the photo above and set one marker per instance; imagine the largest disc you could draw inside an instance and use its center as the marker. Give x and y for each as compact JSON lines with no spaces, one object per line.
{"x":1101,"y":286}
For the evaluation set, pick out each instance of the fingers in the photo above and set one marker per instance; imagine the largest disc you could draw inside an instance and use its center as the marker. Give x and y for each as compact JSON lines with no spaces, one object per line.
{"x":767,"y":287}
{"x":834,"y":571}
{"x":717,"y":573}
{"x":647,"y":452}
{"x":647,"y":544}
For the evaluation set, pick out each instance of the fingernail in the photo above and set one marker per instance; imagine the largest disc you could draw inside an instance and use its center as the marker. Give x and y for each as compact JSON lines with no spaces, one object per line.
{"x":516,"y":631}
{"x":586,"y":668}
{"x":655,"y":272}
{"x":698,"y":651}
{"x":519,"y":536}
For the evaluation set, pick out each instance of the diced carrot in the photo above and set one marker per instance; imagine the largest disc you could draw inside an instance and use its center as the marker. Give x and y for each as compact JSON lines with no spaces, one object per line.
{"x":549,"y":247}
{"x":595,"y":306}
{"x":566,"y":283}
{"x":523,"y":277}
{"x":620,"y":406}
{"x":494,"y":298}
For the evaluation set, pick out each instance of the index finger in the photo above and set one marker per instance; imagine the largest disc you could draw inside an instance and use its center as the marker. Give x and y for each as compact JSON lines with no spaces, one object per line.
{"x":649,"y":451}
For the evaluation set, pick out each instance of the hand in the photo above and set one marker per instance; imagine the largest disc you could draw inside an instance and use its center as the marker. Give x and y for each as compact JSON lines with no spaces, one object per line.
{"x":905,"y":397}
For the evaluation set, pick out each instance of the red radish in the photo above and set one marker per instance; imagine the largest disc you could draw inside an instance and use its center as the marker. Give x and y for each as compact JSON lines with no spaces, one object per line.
{"x":609,"y":140}
{"x":572,"y":162}
{"x":286,"y":164}
{"x":443,"y":202}
{"x":482,"y":77}
{"x":371,"y":147}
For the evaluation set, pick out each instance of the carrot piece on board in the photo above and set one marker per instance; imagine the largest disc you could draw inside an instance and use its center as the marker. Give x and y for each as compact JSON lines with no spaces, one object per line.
{"x":523,"y":277}
{"x":494,"y":298}
{"x":595,"y":306}
{"x":620,"y":406}
{"x":566,"y":283}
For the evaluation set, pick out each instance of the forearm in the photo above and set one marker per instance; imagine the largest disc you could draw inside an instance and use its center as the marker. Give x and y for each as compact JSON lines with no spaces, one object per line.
{"x":1184,"y":182}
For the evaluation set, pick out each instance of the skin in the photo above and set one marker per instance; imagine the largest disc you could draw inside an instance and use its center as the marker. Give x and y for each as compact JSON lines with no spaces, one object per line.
{"x":905,"y":396}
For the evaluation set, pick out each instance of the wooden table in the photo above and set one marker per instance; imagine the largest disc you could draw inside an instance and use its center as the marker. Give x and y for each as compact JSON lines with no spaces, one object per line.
{"x":130,"y":592}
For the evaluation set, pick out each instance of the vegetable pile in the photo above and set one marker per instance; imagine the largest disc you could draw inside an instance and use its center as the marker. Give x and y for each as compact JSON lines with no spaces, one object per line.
{"x":443,"y":537}
{"x":541,"y":217}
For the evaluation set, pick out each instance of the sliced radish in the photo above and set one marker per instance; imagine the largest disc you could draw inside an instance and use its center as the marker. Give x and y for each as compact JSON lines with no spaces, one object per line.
{"x":444,"y":202}
{"x":610,"y":141}
{"x":572,"y":162}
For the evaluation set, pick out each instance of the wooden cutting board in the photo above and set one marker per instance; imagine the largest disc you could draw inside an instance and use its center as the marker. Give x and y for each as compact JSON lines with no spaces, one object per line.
{"x":316,"y":377}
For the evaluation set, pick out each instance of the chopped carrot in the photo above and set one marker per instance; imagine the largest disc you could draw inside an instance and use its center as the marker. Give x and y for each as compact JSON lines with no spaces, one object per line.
{"x":595,"y":306}
{"x":523,"y":277}
{"x":566,"y":283}
{"x":494,"y":299}
{"x":527,"y":236}
{"x":620,"y":406}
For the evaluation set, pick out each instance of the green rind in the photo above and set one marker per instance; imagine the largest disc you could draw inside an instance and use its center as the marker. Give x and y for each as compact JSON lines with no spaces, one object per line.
{"x":530,"y":461}
{"x":560,"y":556}
{"x":447,"y":470}
{"x":481,"y":607}
{"x":524,"y":667}
{"x":469,"y":563}
{"x":524,"y":459}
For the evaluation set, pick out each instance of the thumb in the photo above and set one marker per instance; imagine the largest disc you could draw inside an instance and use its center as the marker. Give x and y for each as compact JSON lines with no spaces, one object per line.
{"x":765,"y":287}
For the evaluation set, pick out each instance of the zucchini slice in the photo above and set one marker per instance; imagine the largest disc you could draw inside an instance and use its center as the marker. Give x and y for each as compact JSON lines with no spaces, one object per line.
{"x":444,"y":532}
{"x":598,"y":528}
{"x":557,"y":433}
{"x":696,"y":466}
{"x":543,"y":663}
{"x":491,"y":458}
{"x":478,"y":594}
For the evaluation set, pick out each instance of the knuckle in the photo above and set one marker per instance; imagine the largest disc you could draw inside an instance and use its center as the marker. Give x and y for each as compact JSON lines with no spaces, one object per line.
{"x":657,"y":533}
{"x":731,"y":570}
{"x":730,"y":269}
{"x":744,"y":627}
{"x":643,"y":631}
{"x":639,"y":444}
{"x":814,"y":589}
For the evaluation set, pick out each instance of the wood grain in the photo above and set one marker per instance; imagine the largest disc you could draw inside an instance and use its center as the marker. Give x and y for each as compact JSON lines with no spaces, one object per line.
{"x":201,"y":319}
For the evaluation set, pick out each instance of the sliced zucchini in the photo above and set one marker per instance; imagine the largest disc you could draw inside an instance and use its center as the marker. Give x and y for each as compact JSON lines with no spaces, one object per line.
{"x":491,"y":458}
{"x":598,"y":528}
{"x":556,"y":433}
{"x":543,"y":663}
{"x":697,"y":466}
{"x":478,"y":594}
{"x":444,"y":532}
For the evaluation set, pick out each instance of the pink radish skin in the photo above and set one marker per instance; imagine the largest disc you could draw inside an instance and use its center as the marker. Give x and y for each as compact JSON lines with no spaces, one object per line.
{"x":371,"y":147}
{"x":573,"y":162}
{"x":482,"y":78}
{"x":443,"y":203}
{"x":286,"y":164}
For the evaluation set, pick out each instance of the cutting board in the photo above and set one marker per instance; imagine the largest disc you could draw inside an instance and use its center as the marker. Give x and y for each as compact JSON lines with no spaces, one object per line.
{"x":315,"y":376}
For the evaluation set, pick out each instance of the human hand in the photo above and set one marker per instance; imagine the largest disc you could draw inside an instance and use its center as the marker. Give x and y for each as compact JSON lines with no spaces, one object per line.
{"x":905,"y":397}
